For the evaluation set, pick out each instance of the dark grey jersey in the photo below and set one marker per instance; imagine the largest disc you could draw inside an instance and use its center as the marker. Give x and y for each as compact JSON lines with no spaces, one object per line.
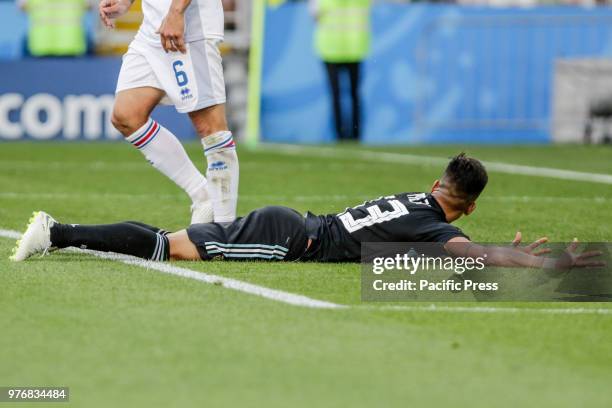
{"x":406,"y":217}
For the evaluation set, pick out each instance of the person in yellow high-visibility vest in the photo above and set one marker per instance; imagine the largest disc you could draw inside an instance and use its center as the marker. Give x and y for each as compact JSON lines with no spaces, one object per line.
{"x":342,"y":40}
{"x":56,"y":27}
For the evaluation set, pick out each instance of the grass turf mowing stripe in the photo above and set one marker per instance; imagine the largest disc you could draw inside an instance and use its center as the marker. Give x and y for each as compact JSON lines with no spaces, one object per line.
{"x":404,"y":158}
{"x":304,"y":301}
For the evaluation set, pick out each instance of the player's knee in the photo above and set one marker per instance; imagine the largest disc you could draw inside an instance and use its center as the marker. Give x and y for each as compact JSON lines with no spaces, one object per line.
{"x":121,"y":122}
{"x":127,"y":122}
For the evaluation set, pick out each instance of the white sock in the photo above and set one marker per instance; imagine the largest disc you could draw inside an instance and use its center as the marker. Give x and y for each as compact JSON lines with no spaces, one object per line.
{"x":222,"y":174}
{"x":164,"y":151}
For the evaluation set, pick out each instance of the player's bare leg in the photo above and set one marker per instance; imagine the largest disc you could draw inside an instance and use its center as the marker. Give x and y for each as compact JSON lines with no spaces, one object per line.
{"x":220,"y":151}
{"x":181,"y":247}
{"x":131,"y":116}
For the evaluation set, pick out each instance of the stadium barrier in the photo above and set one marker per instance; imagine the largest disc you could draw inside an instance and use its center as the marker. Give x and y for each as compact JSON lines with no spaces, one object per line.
{"x":66,"y":99}
{"x":436,"y":74}
{"x":503,"y":67}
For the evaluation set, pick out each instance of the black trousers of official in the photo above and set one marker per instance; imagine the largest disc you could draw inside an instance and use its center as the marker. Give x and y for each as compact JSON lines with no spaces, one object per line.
{"x":334,"y":73}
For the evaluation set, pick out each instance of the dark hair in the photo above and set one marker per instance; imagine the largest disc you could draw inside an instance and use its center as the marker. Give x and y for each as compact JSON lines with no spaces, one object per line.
{"x":465,"y":177}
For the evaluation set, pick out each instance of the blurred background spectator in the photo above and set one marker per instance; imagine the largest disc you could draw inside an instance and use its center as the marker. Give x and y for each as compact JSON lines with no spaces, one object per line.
{"x":55,"y":27}
{"x":342,"y":40}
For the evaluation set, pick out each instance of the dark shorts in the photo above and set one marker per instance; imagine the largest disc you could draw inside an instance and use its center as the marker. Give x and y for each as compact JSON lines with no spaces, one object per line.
{"x":269,"y":233}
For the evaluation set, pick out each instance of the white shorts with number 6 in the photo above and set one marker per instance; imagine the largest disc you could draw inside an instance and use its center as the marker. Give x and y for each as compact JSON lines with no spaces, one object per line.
{"x":191,"y":81}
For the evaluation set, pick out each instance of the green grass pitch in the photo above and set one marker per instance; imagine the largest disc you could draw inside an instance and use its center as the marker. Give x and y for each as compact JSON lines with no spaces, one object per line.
{"x":121,"y":335}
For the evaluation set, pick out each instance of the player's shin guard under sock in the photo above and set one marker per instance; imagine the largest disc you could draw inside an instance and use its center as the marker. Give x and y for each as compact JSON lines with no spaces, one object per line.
{"x":124,"y":238}
{"x":222,"y":174}
{"x":164,"y":151}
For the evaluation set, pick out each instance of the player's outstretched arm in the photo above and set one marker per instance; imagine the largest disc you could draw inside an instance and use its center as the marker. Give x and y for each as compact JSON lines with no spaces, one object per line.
{"x":112,"y":9}
{"x":172,"y":29}
{"x":523,"y":256}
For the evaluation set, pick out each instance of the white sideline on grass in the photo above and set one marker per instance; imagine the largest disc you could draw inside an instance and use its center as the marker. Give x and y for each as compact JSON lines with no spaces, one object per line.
{"x":405,"y":158}
{"x":273,"y":294}
{"x":301,"y":300}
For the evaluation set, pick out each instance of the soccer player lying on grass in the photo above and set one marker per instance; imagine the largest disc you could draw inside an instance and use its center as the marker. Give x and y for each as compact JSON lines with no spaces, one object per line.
{"x":283,"y":234}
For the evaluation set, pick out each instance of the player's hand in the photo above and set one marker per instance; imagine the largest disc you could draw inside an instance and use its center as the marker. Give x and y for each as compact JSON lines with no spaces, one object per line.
{"x":112,"y":9}
{"x":531,"y":249}
{"x":172,"y":32}
{"x":571,"y":258}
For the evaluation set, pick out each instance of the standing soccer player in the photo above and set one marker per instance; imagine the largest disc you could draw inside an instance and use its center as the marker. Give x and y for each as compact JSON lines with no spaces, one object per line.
{"x":175,"y":59}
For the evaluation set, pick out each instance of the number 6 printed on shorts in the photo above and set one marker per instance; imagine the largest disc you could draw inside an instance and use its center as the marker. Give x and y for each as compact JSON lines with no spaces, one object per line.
{"x":181,"y":76}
